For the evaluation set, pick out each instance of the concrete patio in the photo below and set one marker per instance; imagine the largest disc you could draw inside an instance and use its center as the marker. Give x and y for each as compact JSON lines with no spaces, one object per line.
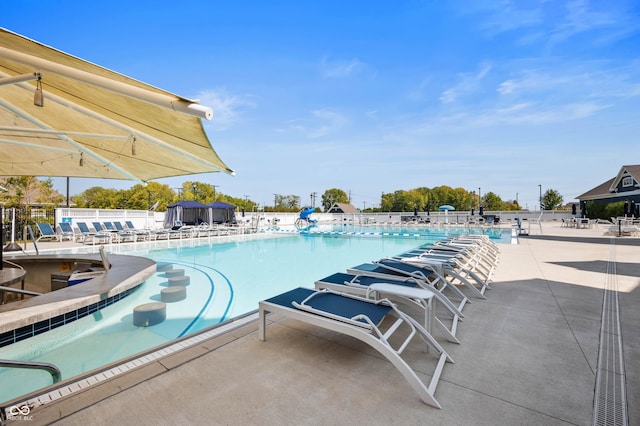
{"x":543,"y":349}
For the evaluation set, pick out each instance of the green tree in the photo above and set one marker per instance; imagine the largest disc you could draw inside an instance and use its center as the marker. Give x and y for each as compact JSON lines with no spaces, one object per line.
{"x":143,"y":197}
{"x":286,"y":203}
{"x":551,"y":200}
{"x":331,"y":196}
{"x":23,"y":190}
{"x":97,"y":197}
{"x":491,"y":201}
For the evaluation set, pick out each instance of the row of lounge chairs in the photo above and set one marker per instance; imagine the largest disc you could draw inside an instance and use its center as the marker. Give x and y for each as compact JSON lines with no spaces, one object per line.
{"x":116,"y":232}
{"x":433,"y":283}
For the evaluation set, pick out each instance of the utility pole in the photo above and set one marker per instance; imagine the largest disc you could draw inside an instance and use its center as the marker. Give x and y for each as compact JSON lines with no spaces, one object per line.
{"x":214,"y":192}
{"x":479,"y":198}
{"x":540,"y":187}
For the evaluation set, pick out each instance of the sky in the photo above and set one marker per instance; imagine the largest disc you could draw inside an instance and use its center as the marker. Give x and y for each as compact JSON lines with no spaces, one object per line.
{"x":371,"y":97}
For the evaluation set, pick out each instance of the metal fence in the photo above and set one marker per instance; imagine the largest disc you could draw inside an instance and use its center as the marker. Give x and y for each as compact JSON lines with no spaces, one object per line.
{"x":18,"y":218}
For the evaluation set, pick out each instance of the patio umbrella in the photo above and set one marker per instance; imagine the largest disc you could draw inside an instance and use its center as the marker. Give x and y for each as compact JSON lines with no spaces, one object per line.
{"x":625,"y":208}
{"x":573,"y":209}
{"x":632,"y":209}
{"x":446,"y":208}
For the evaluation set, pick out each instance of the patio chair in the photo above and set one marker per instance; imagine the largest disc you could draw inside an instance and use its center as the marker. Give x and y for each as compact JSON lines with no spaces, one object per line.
{"x":102,"y":229}
{"x":92,"y":237}
{"x":427,"y":277}
{"x":362,"y":319}
{"x":536,"y":221}
{"x":465,"y":268}
{"x":406,"y":290}
{"x":143,"y":234}
{"x":47,"y":233}
{"x":68,"y":232}
{"x":125,"y":234}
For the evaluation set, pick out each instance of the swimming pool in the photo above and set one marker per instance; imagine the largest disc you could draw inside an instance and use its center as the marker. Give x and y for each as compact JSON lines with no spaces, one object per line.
{"x":227,"y":279}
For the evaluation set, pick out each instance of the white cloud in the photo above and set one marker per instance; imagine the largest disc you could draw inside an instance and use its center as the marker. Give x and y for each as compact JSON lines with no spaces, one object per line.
{"x":340,"y":69}
{"x":228,"y":109}
{"x":468,"y":83}
{"x":322,"y":122}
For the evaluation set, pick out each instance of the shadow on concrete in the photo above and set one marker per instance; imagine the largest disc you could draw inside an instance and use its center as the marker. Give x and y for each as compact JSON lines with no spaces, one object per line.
{"x":623,"y":241}
{"x":622,"y":268}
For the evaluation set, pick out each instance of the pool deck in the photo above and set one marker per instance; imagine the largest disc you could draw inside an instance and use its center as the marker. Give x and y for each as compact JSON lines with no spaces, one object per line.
{"x":541,"y":348}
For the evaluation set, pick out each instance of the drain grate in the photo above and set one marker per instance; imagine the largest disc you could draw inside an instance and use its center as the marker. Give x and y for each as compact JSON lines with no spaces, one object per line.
{"x":610,"y":399}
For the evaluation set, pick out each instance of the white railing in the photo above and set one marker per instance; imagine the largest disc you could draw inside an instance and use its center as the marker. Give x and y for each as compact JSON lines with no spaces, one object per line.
{"x":144,"y":219}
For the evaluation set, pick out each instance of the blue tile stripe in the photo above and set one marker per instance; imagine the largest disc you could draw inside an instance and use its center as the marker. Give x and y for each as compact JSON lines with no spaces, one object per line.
{"x":22,"y":333}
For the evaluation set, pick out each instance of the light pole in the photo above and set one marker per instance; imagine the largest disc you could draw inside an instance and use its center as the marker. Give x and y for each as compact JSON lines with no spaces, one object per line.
{"x":214,"y":192}
{"x":479,"y":198}
{"x":540,"y":187}
{"x":517,"y":204}
{"x":193,"y":186}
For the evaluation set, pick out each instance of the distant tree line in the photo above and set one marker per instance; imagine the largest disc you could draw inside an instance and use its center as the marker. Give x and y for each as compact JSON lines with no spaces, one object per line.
{"x":29,"y":190}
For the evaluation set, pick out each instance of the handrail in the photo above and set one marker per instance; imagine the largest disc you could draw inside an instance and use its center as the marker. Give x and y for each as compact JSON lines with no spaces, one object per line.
{"x":52,"y":369}
{"x":33,"y":238}
{"x":20,"y":291}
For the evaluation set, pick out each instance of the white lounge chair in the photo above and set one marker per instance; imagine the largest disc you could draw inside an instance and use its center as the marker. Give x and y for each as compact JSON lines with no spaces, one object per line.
{"x":47,"y":233}
{"x":405,"y":290}
{"x":362,"y":319}
{"x":68,"y":232}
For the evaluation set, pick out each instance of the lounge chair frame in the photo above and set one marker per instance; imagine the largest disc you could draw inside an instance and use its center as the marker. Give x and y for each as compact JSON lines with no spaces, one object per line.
{"x":399,"y":290}
{"x":425,"y":277}
{"x":362,"y":328}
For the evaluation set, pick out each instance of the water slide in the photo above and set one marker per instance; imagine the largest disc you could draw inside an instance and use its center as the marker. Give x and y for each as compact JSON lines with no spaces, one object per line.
{"x":304,"y":221}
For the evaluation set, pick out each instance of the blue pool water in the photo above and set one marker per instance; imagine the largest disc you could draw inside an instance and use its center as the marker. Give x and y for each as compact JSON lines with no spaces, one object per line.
{"x":227,"y":279}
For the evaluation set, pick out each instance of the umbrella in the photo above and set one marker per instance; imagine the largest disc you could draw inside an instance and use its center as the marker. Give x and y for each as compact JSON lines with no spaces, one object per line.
{"x":632,"y":209}
{"x":573,"y":209}
{"x":88,"y":121}
{"x":625,"y":208}
{"x":446,"y":209}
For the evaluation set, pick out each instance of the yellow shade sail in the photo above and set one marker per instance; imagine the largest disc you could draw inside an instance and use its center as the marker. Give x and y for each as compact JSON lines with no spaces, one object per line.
{"x":93,"y":122}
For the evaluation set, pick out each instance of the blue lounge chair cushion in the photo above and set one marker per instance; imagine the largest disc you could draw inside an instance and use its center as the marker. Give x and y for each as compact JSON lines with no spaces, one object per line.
{"x":332,"y":303}
{"x":363,"y":280}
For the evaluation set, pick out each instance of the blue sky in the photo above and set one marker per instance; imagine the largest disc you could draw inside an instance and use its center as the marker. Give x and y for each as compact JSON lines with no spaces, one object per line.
{"x":377,"y":96}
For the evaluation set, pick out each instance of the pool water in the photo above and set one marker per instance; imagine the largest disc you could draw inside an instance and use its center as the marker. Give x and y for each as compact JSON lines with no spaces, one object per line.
{"x":226,"y":280}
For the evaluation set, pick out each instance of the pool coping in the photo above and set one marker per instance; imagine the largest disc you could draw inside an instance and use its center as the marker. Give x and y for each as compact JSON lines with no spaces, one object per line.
{"x":103,"y":382}
{"x":126,"y":273}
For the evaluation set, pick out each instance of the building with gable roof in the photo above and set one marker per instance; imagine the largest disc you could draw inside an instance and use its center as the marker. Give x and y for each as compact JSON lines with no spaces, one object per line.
{"x":624,"y":187}
{"x":342,"y":208}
